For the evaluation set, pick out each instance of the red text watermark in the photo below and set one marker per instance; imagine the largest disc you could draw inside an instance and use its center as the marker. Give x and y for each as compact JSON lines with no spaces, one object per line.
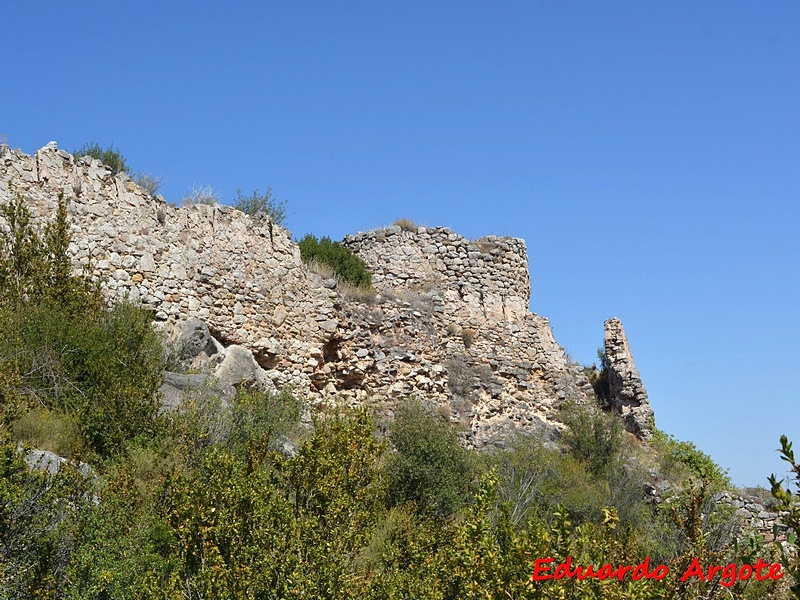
{"x":544,"y":570}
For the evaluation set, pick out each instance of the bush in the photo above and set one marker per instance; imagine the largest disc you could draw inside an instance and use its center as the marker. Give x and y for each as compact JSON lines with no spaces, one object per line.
{"x":255,"y":203}
{"x":594,"y":437}
{"x":149,"y":183}
{"x":684,"y":457}
{"x":344,"y":263}
{"x":430,"y":467}
{"x":109,"y":157}
{"x":598,"y":377}
{"x":200,"y":195}
{"x":98,"y":368}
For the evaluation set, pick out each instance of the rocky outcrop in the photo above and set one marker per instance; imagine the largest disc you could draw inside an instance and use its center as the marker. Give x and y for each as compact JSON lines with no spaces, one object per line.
{"x":449,"y":322}
{"x":628,"y":395}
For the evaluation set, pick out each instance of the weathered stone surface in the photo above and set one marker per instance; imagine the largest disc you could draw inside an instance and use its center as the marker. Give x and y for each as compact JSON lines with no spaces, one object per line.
{"x":628,"y":395}
{"x":442,"y":301}
{"x":177,"y":387}
{"x":50,"y":462}
{"x":194,"y":338}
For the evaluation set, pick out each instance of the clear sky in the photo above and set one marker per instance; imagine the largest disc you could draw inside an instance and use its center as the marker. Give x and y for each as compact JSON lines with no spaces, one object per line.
{"x":648,"y":152}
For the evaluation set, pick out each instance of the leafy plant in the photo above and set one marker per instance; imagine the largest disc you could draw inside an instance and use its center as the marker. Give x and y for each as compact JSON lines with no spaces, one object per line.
{"x":699,"y":464}
{"x":594,"y":437}
{"x":256,"y":203}
{"x":790,"y":502}
{"x":108,"y":156}
{"x":430,"y":468}
{"x":344,"y":263}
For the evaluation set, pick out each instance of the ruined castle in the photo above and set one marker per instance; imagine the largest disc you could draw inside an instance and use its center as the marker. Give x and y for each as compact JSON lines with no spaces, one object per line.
{"x":449,"y":322}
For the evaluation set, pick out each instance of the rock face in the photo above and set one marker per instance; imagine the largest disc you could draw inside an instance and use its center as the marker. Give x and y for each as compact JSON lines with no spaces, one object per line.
{"x":449,"y":323}
{"x":628,"y":395}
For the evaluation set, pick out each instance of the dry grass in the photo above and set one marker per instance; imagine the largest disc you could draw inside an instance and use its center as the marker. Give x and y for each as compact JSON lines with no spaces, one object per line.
{"x":485,"y":246}
{"x":201,"y":194}
{"x":406,"y":225}
{"x":348,"y":291}
{"x":48,"y":430}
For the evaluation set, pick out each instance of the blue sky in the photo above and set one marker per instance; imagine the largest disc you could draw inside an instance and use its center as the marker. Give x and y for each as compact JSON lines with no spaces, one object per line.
{"x":646,"y":151}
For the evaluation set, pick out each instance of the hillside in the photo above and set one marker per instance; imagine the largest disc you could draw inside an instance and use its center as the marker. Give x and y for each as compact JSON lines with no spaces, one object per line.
{"x":189,"y":410}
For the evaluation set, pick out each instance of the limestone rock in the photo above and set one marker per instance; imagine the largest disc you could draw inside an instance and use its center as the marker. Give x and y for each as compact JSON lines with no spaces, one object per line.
{"x":177,"y":387}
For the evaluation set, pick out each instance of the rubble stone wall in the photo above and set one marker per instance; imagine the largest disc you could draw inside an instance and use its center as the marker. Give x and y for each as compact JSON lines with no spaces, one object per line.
{"x":628,"y":394}
{"x":480,"y":280}
{"x":450,"y":323}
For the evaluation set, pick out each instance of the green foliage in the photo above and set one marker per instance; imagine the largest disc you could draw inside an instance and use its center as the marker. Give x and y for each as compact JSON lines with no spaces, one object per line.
{"x":430,"y":468}
{"x":255,"y":204}
{"x":52,"y":430}
{"x":789,"y":501}
{"x":108,"y":156}
{"x":98,"y":368}
{"x":37,"y":515}
{"x":598,"y":377}
{"x":593,"y":437}
{"x":344,"y":263}
{"x":34,"y":263}
{"x":685,"y":456}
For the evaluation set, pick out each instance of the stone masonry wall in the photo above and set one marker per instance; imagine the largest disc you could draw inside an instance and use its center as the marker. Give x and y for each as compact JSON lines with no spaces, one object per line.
{"x":628,"y":394}
{"x":485,"y":279}
{"x":243,"y":277}
{"x":450,"y":323}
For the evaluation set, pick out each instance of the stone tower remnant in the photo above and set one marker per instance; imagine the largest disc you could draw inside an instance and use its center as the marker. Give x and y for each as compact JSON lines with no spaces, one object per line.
{"x":628,"y":395}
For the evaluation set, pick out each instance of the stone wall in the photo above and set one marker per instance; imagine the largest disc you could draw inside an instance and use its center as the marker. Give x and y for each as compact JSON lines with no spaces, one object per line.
{"x":482,"y":280}
{"x":449,"y":323}
{"x":628,"y":395}
{"x":243,"y":277}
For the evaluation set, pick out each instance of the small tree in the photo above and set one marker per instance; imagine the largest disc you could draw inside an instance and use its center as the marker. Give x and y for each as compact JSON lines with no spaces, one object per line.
{"x":108,"y":156}
{"x":430,"y":467}
{"x":266,"y":204}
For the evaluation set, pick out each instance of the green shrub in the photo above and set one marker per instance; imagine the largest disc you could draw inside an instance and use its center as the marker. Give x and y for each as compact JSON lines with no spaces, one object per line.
{"x":34,"y":262}
{"x":344,"y":263}
{"x":108,"y":156}
{"x":593,"y":437}
{"x":430,"y":468}
{"x":99,"y":368}
{"x":684,"y":457}
{"x":598,"y":377}
{"x":266,"y":204}
{"x":38,"y":512}
{"x":51,"y":430}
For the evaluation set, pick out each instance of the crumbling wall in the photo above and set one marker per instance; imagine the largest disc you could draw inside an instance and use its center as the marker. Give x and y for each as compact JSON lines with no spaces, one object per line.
{"x":450,"y":322}
{"x":482,"y":280}
{"x":628,"y":394}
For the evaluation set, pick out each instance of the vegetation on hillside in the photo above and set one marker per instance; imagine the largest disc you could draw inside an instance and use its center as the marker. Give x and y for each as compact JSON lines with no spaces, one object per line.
{"x":203,"y":503}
